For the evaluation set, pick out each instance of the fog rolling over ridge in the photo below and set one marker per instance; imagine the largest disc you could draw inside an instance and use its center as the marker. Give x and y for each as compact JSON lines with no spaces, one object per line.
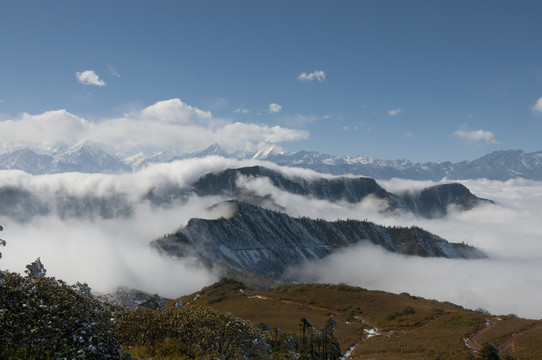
{"x":113,"y":250}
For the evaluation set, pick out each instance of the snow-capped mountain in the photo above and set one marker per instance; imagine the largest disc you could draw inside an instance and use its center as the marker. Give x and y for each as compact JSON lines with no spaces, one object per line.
{"x":86,"y":157}
{"x":499,"y":165}
{"x":265,"y":242}
{"x":28,"y":161}
{"x":90,"y":157}
{"x":140,"y":160}
{"x":266,"y":152}
{"x":503,"y":165}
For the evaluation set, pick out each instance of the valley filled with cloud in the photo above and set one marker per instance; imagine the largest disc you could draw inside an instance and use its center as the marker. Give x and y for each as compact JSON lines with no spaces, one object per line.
{"x":105,"y":241}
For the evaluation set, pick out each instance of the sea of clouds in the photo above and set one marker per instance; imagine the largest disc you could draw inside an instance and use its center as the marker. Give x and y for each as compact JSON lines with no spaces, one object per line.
{"x":114,"y":251}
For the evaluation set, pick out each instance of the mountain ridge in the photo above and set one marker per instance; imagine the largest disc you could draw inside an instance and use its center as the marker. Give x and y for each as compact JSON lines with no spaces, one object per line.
{"x":431,"y":202}
{"x":266,"y":242}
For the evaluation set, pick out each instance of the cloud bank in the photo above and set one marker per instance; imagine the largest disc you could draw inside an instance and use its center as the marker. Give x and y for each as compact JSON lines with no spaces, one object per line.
{"x":538,"y":105}
{"x":170,"y":124}
{"x":113,"y":251}
{"x":509,"y":282}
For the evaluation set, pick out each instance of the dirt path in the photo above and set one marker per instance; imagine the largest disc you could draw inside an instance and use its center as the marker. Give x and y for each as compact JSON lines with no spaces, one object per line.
{"x":506,"y":345}
{"x":472,"y":342}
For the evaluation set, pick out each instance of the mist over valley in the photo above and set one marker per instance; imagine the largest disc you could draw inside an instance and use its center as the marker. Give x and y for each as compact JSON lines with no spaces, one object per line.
{"x":98,"y":228}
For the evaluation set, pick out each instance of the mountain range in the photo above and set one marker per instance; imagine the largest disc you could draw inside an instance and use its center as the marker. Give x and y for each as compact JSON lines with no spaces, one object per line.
{"x":85,"y":157}
{"x":92,"y":158}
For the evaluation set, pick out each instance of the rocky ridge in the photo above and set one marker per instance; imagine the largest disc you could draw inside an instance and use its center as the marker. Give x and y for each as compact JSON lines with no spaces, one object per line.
{"x":266,"y":242}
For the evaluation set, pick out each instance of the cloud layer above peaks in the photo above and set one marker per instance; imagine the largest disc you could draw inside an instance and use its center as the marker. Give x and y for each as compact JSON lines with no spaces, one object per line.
{"x":170,"y":124}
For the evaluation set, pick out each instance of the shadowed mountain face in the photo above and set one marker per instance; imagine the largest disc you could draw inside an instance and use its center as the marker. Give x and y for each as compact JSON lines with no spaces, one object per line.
{"x":430,"y":202}
{"x":349,"y":189}
{"x":22,"y":205}
{"x":266,"y":242}
{"x":433,"y":201}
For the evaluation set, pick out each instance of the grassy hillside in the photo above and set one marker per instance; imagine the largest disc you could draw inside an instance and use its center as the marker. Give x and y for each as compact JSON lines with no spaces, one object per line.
{"x":376,"y":324}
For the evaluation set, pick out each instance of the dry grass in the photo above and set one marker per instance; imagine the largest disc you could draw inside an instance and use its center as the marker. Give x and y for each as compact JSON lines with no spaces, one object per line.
{"x":410,"y":327}
{"x":528,"y":344}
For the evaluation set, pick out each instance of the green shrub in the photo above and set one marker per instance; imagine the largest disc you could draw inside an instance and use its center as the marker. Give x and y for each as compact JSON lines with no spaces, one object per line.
{"x":42,"y":318}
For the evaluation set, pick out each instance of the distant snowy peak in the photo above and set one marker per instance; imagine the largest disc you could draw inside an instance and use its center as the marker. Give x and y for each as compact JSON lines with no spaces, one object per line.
{"x":140,"y":160}
{"x":92,"y":158}
{"x":84,"y":157}
{"x":213,"y":150}
{"x":87,"y":157}
{"x":264,"y":153}
{"x":504,"y":165}
{"x":26,"y":160}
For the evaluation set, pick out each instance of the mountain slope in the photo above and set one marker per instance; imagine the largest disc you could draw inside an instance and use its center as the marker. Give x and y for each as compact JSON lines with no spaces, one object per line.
{"x":87,"y":157}
{"x":266,"y":242}
{"x":377,"y":324}
{"x":502,"y":165}
{"x":28,"y":161}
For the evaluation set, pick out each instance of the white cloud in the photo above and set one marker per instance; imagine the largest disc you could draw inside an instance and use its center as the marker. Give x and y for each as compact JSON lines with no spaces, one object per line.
{"x":394,"y":112}
{"x":510,"y":281}
{"x":89,"y":77}
{"x":319,"y":75}
{"x":44,"y":131}
{"x":113,"y":71}
{"x":538,"y":105}
{"x":175,"y":110}
{"x":477,"y":135}
{"x":241,"y":110}
{"x":171,"y":124}
{"x":274,"y":108}
{"x":239,"y":133}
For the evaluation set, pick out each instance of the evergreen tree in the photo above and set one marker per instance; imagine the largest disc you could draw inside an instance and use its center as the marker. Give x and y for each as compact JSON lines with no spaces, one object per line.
{"x":2,"y":243}
{"x":489,"y":352}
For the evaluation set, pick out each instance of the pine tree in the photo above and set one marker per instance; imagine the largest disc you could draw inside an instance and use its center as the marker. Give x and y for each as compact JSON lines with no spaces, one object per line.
{"x":2,"y":243}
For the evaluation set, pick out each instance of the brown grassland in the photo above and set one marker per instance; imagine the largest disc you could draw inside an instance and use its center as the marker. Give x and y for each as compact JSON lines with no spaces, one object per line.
{"x":407,"y":327}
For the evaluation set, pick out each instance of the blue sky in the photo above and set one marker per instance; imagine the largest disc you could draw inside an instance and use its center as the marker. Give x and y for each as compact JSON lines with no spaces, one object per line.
{"x":422,"y":80}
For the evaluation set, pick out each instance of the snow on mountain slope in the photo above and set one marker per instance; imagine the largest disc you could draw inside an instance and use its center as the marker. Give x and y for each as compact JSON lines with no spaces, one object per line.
{"x":89,"y":157}
{"x":266,"y":242}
